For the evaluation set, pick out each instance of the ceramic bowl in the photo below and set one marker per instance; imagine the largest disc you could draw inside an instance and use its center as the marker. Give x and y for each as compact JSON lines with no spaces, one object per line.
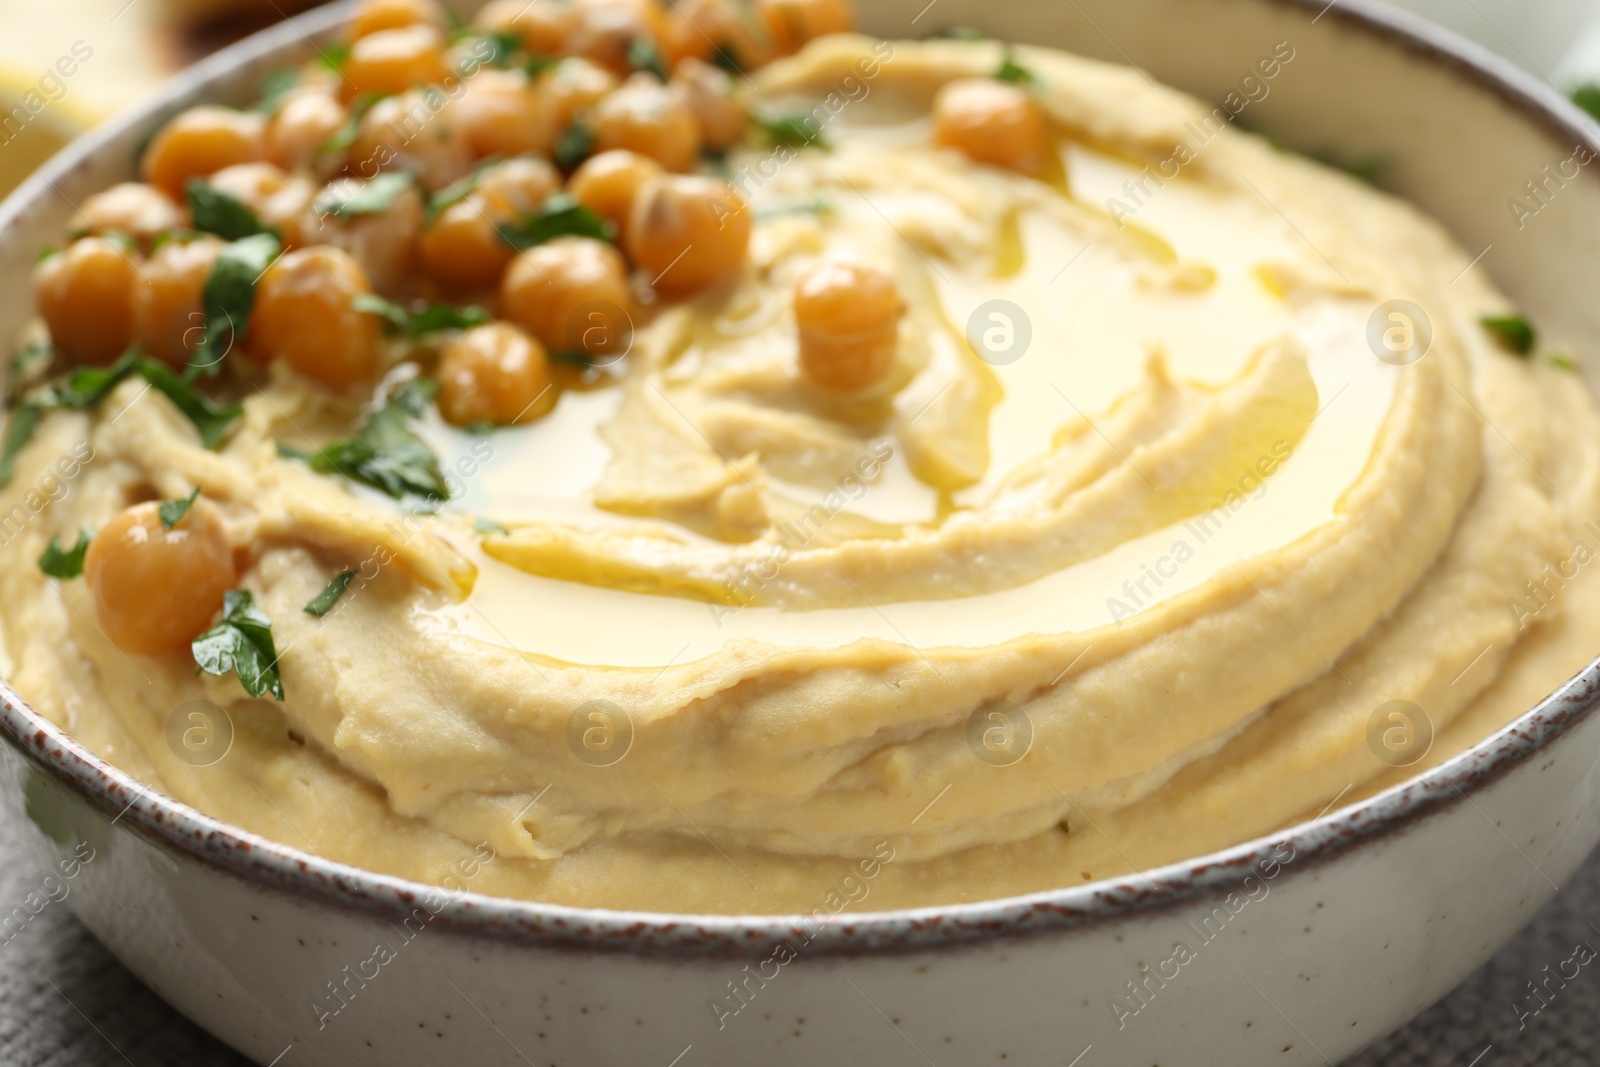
{"x":1301,"y":948}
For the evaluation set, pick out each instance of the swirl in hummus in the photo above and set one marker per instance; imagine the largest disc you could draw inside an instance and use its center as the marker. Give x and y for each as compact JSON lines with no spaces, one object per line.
{"x":1110,"y":562}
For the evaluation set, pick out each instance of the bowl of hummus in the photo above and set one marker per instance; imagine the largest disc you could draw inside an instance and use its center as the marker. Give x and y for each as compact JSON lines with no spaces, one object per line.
{"x":603,"y":531}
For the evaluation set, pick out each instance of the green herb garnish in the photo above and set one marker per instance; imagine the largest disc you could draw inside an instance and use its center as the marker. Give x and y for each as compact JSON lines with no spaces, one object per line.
{"x":344,"y":199}
{"x":340,"y":142}
{"x":173,"y":511}
{"x":275,"y":88}
{"x":430,"y":319}
{"x":60,"y":562}
{"x":1587,"y":96}
{"x":561,"y":216}
{"x":962,"y":33}
{"x":502,"y":46}
{"x":229,"y":294}
{"x":723,"y":56}
{"x":333,"y":55}
{"x":84,"y":387}
{"x":211,"y":419}
{"x":488,"y":526}
{"x":324,"y":601}
{"x":386,"y":455}
{"x":644,"y":55}
{"x":214,"y":211}
{"x":241,"y":644}
{"x":794,"y":130}
{"x":1512,"y":332}
{"x":1013,"y":73}
{"x":574,"y":145}
{"x":28,"y":367}
{"x":19,"y":431}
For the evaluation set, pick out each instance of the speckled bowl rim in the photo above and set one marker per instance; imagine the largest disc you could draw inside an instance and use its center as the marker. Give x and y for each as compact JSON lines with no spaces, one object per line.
{"x":281,"y":869}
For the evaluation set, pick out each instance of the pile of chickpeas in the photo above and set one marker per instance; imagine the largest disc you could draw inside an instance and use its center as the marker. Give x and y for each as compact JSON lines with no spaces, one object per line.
{"x":615,"y":105}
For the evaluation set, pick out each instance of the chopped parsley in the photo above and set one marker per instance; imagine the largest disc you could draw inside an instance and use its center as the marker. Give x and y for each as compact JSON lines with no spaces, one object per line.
{"x":1512,"y":332}
{"x":1587,"y":96}
{"x":344,"y":199}
{"x":386,"y":455}
{"x":60,"y":562}
{"x":1013,"y":73}
{"x":241,"y":643}
{"x":798,"y":130}
{"x":502,"y":46}
{"x":323,"y":602}
{"x":962,"y":33}
{"x":723,"y":56}
{"x":212,"y":420}
{"x":333,"y":55}
{"x":275,"y":88}
{"x":28,"y":367}
{"x":561,"y":216}
{"x":1562,"y":361}
{"x":430,"y":319}
{"x":229,"y":294}
{"x":574,"y":146}
{"x":84,"y":387}
{"x":215,"y":211}
{"x":19,"y":431}
{"x":173,"y":511}
{"x":644,"y":55}
{"x":347,"y":134}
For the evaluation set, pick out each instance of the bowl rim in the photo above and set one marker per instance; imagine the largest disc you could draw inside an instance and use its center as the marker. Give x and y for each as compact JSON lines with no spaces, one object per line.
{"x":273,"y":867}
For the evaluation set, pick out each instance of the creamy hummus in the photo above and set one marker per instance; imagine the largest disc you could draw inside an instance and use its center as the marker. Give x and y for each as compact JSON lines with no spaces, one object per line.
{"x":1129,"y":559}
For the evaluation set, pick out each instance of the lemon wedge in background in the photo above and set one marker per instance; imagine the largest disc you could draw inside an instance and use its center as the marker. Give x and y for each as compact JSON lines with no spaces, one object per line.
{"x":26,"y":144}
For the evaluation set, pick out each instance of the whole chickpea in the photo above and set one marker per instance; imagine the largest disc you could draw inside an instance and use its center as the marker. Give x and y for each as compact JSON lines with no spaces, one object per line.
{"x":646,"y":117}
{"x":794,"y":23}
{"x":545,"y":25}
{"x":168,"y":319}
{"x":85,"y":296}
{"x":141,"y":211}
{"x":199,"y":142}
{"x":699,"y":28}
{"x":499,"y":115}
{"x":303,"y":316}
{"x":392,"y":61}
{"x":279,"y":200}
{"x":607,"y":29}
{"x":848,"y":319}
{"x":526,"y":182}
{"x":569,"y":89}
{"x":375,"y":15}
{"x":609,"y":183}
{"x":688,"y":233}
{"x":708,"y":93}
{"x":305,"y":122}
{"x":384,"y":243}
{"x":572,"y":294}
{"x":991,"y":122}
{"x":462,"y":249}
{"x":495,"y":373}
{"x":155,"y":590}
{"x":415,"y":132}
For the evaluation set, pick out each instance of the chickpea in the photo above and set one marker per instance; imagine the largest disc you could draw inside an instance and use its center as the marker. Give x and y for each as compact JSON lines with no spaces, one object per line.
{"x":699,"y":28}
{"x":646,"y":117}
{"x":303,"y":316}
{"x":168,"y":319}
{"x":375,"y":15}
{"x":500,"y":115}
{"x":279,"y":200}
{"x":545,"y":25}
{"x":133,"y":208}
{"x":85,"y":296}
{"x":848,"y":319}
{"x":462,"y":250}
{"x":392,"y":61}
{"x":569,"y":89}
{"x":606,"y":30}
{"x":303,"y":123}
{"x":609,"y":183}
{"x":198,"y":143}
{"x":383,"y":244}
{"x":707,"y":92}
{"x":495,"y":373}
{"x":688,"y":233}
{"x":155,"y":590}
{"x":794,"y":23}
{"x":415,"y":132}
{"x":991,"y":122}
{"x":525,"y":183}
{"x":572,"y":294}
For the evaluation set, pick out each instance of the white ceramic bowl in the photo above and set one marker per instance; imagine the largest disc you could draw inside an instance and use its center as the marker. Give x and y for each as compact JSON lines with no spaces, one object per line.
{"x":1305,"y":947}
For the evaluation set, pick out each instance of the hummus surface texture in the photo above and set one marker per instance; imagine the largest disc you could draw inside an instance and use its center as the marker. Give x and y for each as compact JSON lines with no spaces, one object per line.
{"x":1129,"y":566}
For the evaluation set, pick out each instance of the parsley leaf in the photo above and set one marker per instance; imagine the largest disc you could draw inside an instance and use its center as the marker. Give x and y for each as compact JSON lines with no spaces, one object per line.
{"x":28,"y":367}
{"x":173,"y":511}
{"x":215,"y":211}
{"x":347,"y":134}
{"x":60,"y":562}
{"x":962,"y":33}
{"x":213,"y":420}
{"x":502,"y":46}
{"x":1013,"y":73}
{"x":1512,"y":332}
{"x":723,"y":56}
{"x":333,"y":55}
{"x":560,"y":216}
{"x":323,"y":602}
{"x":797,"y":130}
{"x":19,"y":431}
{"x":1588,"y":97}
{"x":346,"y":198}
{"x":386,"y":455}
{"x":574,"y":146}
{"x":229,"y":294}
{"x":241,"y":643}
{"x":275,"y":88}
{"x":430,"y":319}
{"x":644,"y":55}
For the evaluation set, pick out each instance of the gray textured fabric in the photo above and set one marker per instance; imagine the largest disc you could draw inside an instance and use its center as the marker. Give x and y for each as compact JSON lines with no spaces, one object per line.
{"x":64,"y":1002}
